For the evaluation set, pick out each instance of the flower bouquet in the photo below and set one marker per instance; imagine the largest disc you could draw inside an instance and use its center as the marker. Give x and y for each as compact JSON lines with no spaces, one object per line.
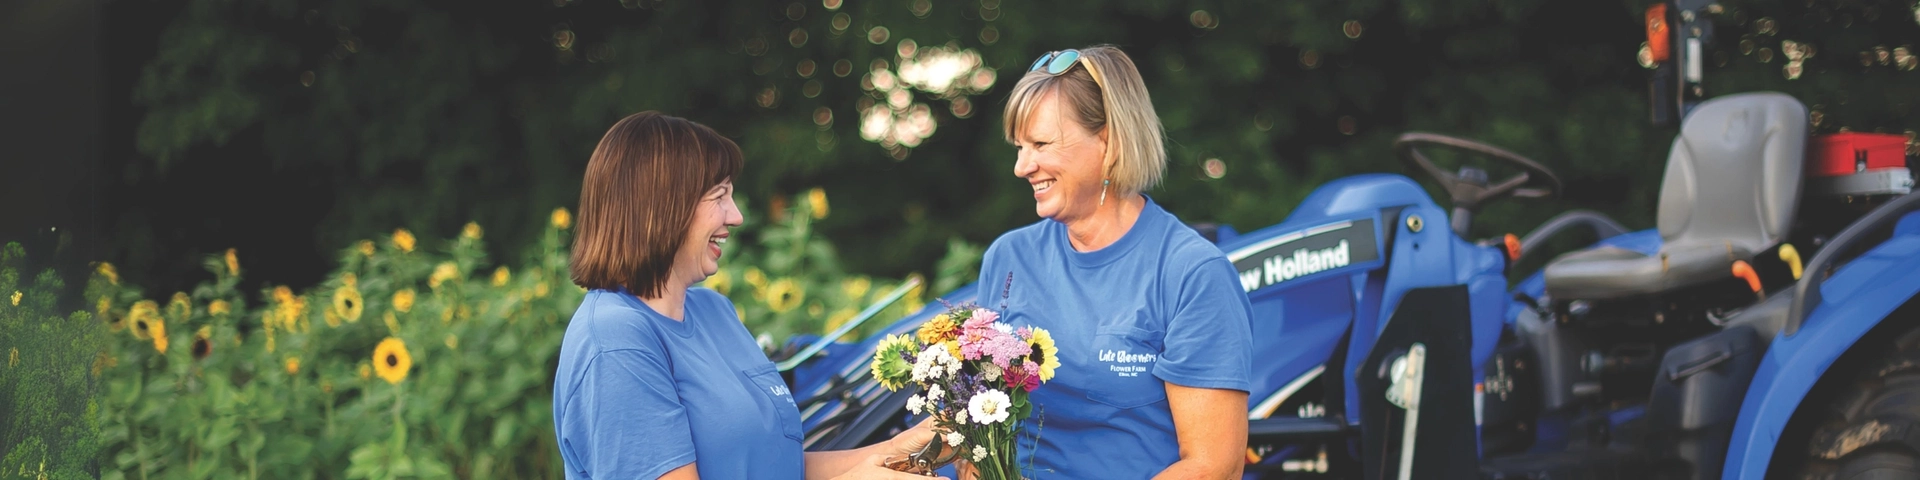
{"x":974,"y":374}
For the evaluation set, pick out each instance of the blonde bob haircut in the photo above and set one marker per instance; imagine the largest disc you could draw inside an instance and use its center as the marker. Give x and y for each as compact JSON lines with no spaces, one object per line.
{"x":1111,"y":96}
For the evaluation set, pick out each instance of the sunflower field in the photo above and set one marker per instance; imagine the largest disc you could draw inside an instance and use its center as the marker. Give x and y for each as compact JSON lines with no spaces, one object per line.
{"x":415,"y":357}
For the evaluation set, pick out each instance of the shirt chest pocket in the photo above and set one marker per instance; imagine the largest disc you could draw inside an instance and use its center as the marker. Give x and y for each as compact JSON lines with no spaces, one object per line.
{"x":766,"y":380}
{"x":1123,"y":376}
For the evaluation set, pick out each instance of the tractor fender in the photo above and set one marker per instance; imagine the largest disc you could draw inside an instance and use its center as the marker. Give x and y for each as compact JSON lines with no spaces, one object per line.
{"x":1859,"y":296}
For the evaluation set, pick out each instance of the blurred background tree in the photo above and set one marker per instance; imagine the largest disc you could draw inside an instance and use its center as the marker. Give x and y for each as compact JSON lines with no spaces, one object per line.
{"x":287,"y":128}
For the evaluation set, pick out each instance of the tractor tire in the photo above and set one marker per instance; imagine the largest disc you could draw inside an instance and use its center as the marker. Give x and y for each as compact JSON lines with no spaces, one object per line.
{"x":1871,"y":430}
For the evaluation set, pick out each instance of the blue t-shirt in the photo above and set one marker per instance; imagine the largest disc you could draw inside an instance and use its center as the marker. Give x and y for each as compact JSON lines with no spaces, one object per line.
{"x":638,"y":394}
{"x":1159,"y":305}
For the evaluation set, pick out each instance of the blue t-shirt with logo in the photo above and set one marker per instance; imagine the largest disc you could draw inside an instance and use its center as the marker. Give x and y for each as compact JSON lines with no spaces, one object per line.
{"x":639,"y":394}
{"x":1160,"y":305}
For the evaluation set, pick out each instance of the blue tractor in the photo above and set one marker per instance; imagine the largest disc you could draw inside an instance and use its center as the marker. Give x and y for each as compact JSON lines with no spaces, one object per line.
{"x":1389,"y":345}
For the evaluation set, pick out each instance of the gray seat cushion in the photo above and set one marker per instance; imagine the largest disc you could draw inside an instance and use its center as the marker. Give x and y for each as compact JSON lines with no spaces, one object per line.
{"x":1609,"y":272}
{"x":1731,"y":186}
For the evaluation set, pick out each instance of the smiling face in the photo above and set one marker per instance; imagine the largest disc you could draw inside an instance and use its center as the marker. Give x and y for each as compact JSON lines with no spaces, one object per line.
{"x":1061,"y":160}
{"x":699,"y":255}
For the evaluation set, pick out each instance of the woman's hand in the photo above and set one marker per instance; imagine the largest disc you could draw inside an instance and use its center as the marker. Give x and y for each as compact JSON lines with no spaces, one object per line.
{"x":911,"y":441}
{"x":870,"y":461}
{"x":874,"y":468}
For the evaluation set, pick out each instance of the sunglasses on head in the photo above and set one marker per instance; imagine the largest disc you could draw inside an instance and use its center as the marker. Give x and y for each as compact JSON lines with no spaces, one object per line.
{"x":1059,"y":61}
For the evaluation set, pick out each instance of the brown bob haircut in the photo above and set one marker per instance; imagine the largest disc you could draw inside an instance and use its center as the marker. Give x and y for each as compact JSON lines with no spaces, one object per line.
{"x":637,"y":201}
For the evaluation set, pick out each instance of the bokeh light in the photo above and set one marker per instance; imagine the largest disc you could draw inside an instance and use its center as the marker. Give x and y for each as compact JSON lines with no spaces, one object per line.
{"x":890,"y":113}
{"x":1214,"y":168}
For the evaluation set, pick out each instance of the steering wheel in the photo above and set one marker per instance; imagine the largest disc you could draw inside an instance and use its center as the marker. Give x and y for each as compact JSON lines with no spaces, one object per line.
{"x":1466,"y":192}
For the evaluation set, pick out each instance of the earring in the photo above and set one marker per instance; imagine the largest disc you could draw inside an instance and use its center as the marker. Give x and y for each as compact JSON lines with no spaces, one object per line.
{"x":1103,"y":191}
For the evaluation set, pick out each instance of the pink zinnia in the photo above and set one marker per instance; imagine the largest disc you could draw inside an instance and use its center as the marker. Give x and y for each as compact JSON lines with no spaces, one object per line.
{"x":973,"y":344}
{"x":982,"y":318}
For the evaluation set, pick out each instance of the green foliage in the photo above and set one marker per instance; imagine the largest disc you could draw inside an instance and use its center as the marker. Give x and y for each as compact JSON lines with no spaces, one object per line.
{"x":431,"y":114}
{"x":50,"y":425}
{"x":220,"y":383}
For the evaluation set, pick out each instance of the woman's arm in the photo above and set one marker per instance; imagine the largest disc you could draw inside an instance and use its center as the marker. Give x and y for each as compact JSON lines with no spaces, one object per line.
{"x":1211,"y":425}
{"x":685,"y":472}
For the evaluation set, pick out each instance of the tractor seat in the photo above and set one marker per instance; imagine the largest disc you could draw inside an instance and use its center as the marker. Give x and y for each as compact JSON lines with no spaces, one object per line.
{"x":1731,"y":186}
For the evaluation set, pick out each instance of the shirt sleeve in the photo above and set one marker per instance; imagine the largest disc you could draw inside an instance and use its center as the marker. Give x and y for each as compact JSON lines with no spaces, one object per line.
{"x":638,"y":429}
{"x":1209,"y":339}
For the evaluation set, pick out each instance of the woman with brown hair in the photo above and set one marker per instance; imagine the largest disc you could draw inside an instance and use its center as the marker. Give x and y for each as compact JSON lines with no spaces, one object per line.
{"x":657,"y":377}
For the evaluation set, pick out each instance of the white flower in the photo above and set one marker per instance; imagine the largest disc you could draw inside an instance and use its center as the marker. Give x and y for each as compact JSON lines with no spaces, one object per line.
{"x":921,"y":372}
{"x":934,"y":391}
{"x":990,"y":372}
{"x":933,"y":363}
{"x":1003,"y":328}
{"x":979,"y":453}
{"x":915,"y":404}
{"x":954,"y":438}
{"x":989,"y":407}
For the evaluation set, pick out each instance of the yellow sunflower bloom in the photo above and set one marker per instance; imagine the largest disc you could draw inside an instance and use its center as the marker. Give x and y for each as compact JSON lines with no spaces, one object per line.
{"x":561,"y":219}
{"x":233,"y":263}
{"x":758,"y":280}
{"x":159,"y":330}
{"x":817,"y":202}
{"x":142,"y":316}
{"x":105,"y":308}
{"x":740,"y":314}
{"x":403,"y":239}
{"x":219,"y":307}
{"x":391,"y":361}
{"x":453,"y":342}
{"x":347,"y":304}
{"x":365,"y":247}
{"x":856,"y":288}
{"x":719,"y":282}
{"x":181,"y":307}
{"x":442,"y":273}
{"x":293,"y":365}
{"x":541,"y":290}
{"x":501,"y":276}
{"x":941,"y":328}
{"x":106,"y":270}
{"x":16,"y":298}
{"x":366,"y":371}
{"x":471,"y":231}
{"x":784,"y":295}
{"x":888,"y":366}
{"x":403,"y":300}
{"x":1044,"y":352}
{"x":289,"y":309}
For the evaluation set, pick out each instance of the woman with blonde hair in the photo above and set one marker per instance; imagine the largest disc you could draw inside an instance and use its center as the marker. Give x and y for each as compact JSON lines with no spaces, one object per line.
{"x":1152,"y":329}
